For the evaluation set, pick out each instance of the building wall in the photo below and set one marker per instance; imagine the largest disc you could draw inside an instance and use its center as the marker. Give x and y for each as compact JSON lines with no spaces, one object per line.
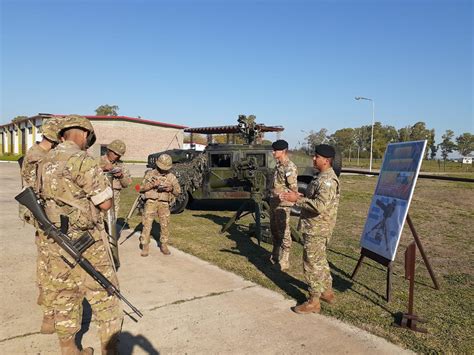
{"x":141,"y":139}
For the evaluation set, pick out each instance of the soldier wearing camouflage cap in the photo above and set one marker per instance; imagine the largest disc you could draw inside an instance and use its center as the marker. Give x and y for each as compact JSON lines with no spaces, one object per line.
{"x":112,"y":164}
{"x":160,"y":187}
{"x":285,"y":179}
{"x":73,"y":185}
{"x":317,"y":220}
{"x":30,"y":174}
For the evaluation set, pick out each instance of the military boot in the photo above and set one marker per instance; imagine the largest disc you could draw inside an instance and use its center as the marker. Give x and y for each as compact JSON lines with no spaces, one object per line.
{"x":164,"y":249}
{"x":69,"y":347}
{"x":40,"y":299}
{"x":328,"y":296}
{"x":145,"y":250}
{"x":110,"y":348}
{"x":285,"y":260}
{"x":310,"y":306}
{"x":47,"y":327}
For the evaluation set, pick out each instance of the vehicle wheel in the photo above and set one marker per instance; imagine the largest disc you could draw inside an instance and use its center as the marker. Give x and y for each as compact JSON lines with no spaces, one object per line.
{"x":302,"y":186}
{"x":180,"y":203}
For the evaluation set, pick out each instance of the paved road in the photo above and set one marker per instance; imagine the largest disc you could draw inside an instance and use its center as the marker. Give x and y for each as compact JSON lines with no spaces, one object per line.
{"x":189,"y":305}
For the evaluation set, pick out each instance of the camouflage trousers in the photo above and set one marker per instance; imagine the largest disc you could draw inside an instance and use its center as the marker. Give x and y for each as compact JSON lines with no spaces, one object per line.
{"x":116,"y":202}
{"x":153,"y":209}
{"x":315,"y":264}
{"x":280,"y":225}
{"x":73,"y":285}
{"x":47,"y":293}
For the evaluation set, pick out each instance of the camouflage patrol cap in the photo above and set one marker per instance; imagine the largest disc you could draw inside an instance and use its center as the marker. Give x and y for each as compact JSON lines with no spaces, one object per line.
{"x":117,"y":146}
{"x":164,"y":162}
{"x":50,"y":129}
{"x":77,"y":121}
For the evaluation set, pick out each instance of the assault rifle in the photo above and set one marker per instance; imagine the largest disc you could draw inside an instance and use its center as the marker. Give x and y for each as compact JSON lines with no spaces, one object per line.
{"x":74,"y":248}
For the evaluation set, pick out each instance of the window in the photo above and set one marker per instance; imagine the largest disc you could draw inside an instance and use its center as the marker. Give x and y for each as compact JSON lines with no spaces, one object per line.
{"x":259,"y":157}
{"x":220,"y":160}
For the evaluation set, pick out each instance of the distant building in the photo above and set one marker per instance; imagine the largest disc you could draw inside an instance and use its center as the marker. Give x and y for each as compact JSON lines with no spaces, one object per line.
{"x":141,"y":136}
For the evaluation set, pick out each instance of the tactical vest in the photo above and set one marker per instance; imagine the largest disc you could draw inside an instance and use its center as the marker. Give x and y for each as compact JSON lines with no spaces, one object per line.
{"x":153,"y":193}
{"x":61,"y":194}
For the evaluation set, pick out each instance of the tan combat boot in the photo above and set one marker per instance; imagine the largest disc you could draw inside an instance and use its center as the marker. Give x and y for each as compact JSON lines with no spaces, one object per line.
{"x":110,"y":348}
{"x":40,"y":299}
{"x":328,"y":296}
{"x":68,"y":347}
{"x":164,"y":249}
{"x":285,"y":260}
{"x":47,"y":327}
{"x":145,"y":250}
{"x":310,"y":306}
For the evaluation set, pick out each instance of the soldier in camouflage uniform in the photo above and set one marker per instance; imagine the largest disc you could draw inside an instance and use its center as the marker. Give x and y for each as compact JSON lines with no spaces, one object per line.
{"x":284,"y":180}
{"x":317,"y":221}
{"x":161,"y":189}
{"x":111,"y":163}
{"x":29,"y":175}
{"x":74,"y":186}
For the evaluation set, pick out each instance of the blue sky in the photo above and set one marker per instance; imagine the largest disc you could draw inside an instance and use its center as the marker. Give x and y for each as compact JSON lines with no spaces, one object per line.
{"x":298,"y":64}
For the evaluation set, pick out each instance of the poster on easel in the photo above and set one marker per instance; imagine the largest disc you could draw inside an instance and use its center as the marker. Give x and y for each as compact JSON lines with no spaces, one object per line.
{"x":393,"y":192}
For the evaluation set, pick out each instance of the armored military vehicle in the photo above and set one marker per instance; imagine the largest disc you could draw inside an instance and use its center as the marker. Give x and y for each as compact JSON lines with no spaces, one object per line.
{"x":229,"y":170}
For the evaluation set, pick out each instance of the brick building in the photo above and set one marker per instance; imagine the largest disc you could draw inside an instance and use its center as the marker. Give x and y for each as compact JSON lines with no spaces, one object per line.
{"x":141,"y":136}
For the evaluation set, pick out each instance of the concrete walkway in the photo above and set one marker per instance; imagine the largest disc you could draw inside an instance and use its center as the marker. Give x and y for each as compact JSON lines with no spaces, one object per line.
{"x":189,"y":306}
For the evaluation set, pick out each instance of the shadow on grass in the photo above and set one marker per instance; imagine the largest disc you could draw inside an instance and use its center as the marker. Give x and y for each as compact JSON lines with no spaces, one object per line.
{"x":259,"y":257}
{"x":154,"y":234}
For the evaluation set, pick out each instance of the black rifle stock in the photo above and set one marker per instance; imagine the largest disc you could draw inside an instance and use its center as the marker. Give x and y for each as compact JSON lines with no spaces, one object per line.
{"x":28,"y":199}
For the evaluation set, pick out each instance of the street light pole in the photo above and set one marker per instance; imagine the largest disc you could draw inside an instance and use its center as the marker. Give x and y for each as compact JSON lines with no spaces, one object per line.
{"x":373,"y":122}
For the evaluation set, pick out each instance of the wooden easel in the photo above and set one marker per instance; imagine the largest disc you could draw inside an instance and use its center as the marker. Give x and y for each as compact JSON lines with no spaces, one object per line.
{"x":388,"y":263}
{"x":409,"y":319}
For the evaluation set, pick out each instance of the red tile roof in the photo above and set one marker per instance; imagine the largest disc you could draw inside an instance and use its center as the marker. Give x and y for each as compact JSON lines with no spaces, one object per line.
{"x":110,"y":118}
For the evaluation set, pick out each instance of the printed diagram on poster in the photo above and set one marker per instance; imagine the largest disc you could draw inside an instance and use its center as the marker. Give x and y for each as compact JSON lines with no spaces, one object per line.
{"x":391,"y":200}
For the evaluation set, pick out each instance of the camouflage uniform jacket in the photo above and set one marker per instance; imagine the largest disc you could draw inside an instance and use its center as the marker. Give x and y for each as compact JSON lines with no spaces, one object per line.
{"x":152,"y":177}
{"x":29,"y":169}
{"x":73,"y":185}
{"x":319,"y":206}
{"x":285,"y":179}
{"x":117,"y":183}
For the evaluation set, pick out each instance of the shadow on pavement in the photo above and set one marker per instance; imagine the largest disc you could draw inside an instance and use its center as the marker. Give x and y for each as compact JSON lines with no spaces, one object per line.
{"x":128,"y":342}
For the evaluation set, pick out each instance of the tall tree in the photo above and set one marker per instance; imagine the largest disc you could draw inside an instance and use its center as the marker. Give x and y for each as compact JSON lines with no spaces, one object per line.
{"x":432,"y":146}
{"x":447,"y":145}
{"x":107,"y":110}
{"x":404,"y":134}
{"x":419,"y":132}
{"x":315,"y":138}
{"x":19,"y":118}
{"x":344,"y":140}
{"x":465,"y":143}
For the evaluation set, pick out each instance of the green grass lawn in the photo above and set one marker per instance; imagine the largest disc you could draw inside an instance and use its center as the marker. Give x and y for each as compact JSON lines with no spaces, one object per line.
{"x":442,"y":213}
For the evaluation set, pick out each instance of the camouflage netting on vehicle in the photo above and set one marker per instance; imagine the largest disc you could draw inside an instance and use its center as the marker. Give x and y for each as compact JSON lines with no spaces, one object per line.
{"x":190,"y":175}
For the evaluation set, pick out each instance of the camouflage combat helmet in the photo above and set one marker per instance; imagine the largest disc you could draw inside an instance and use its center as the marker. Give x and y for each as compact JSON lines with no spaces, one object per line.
{"x":76,"y":121}
{"x":50,"y":129}
{"x":164,"y":162}
{"x":117,"y":146}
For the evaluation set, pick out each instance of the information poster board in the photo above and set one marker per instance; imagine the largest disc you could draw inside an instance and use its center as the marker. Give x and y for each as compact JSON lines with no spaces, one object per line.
{"x":389,"y":207}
